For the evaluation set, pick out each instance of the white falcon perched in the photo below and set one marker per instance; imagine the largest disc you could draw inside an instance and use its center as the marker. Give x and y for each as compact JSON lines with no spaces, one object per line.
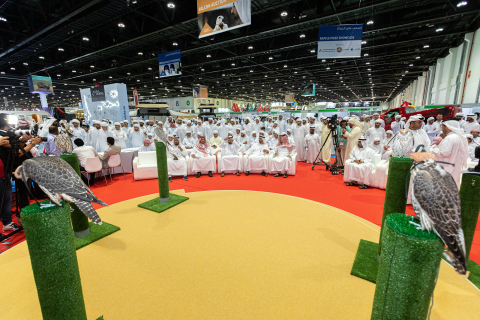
{"x":402,"y":144}
{"x":161,"y":136}
{"x":436,"y":202}
{"x":58,"y":179}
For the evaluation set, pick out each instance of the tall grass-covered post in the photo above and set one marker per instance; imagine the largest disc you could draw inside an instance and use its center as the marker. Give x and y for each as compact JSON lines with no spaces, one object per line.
{"x":470,"y":201}
{"x":162,"y":167}
{"x":407,"y":272}
{"x":79,"y":220}
{"x":53,"y":256}
{"x":397,"y":188}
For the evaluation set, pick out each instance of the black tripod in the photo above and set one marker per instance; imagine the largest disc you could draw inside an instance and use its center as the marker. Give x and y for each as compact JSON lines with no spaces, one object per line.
{"x":333,"y":167}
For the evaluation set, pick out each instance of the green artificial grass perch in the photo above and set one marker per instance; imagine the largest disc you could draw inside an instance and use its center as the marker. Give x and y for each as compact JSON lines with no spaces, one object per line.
{"x":79,"y":220}
{"x":470,"y":201}
{"x":162,"y":168}
{"x":157,"y":206}
{"x":97,"y":232}
{"x":397,"y":188}
{"x":365,"y":265}
{"x":407,"y":272}
{"x":53,"y":257}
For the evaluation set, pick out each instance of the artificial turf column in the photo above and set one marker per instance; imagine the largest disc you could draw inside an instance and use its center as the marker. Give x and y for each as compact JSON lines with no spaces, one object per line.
{"x":407,"y":272}
{"x":163,"y":187}
{"x":79,"y":220}
{"x":51,"y":246}
{"x":396,"y":191}
{"x":470,"y":201}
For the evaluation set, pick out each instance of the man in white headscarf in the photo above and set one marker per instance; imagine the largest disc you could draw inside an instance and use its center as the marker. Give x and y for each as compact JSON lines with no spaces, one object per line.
{"x":120,"y":136}
{"x":376,"y":145}
{"x":312,"y":145}
{"x":459,"y":117}
{"x":281,"y":124}
{"x":189,"y":142}
{"x":472,"y":145}
{"x":244,"y":141}
{"x":209,"y":127}
{"x":438,"y":122}
{"x":397,"y":125}
{"x":216,"y":140}
{"x":136,"y":137}
{"x":46,"y":126}
{"x":282,"y":157}
{"x":453,"y":149}
{"x":203,"y":158}
{"x":256,"y":157}
{"x":248,"y":127}
{"x":230,"y":160}
{"x":471,"y":123}
{"x":431,"y":128}
{"x":241,"y":11}
{"x":78,"y":133}
{"x":299,"y":134}
{"x":387,"y":147}
{"x":147,"y":146}
{"x":102,"y":136}
{"x":359,"y":165}
{"x":420,"y":137}
{"x":352,"y":136}
{"x":366,"y":125}
{"x":272,"y":143}
{"x":176,"y":160}
{"x":376,"y":132}
{"x":291,"y":140}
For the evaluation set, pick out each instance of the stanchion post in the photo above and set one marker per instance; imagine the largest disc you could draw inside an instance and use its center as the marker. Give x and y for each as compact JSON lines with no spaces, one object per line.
{"x":53,"y":257}
{"x":79,"y":220}
{"x":163,"y":187}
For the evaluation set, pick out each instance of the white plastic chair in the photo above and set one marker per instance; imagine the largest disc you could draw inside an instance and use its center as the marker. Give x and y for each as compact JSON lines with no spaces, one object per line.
{"x":114,"y":162}
{"x":94,"y":165}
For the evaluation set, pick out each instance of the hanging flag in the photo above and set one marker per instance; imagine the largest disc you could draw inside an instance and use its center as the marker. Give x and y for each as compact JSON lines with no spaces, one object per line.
{"x":135,"y":96}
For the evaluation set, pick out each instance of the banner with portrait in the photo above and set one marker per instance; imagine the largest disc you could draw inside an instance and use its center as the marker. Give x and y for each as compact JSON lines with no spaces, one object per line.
{"x":170,"y":64}
{"x":217,"y":16}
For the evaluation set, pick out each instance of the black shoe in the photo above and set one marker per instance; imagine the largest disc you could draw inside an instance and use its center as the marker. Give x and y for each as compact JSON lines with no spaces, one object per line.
{"x":185,"y":178}
{"x":285,"y":175}
{"x":277,"y":175}
{"x":199,"y":174}
{"x":210,"y":174}
{"x":247,"y":173}
{"x":222,"y":175}
{"x":264,"y":174}
{"x":170,"y":179}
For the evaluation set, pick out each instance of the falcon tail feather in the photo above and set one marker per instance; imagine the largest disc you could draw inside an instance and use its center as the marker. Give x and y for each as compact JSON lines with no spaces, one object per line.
{"x":455,"y":254}
{"x":89,"y":211}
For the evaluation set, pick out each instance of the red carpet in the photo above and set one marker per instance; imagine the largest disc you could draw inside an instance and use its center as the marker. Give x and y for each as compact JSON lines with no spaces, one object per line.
{"x":318,"y":185}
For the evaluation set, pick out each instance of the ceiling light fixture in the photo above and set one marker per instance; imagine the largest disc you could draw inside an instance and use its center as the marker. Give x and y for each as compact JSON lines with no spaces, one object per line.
{"x":417,"y":57}
{"x":462,"y":3}
{"x":370,"y":22}
{"x":175,"y":44}
{"x":85,"y":39}
{"x":302,"y":36}
{"x":426,"y":46}
{"x":61,"y":49}
{"x":284,"y":13}
{"x":364,"y":42}
{"x":25,"y":64}
{"x":439,"y":30}
{"x":209,"y":56}
{"x":3,"y":19}
{"x":171,"y":5}
{"x":140,"y":53}
{"x":121,"y":25}
{"x":41,"y":57}
{"x":92,"y":67}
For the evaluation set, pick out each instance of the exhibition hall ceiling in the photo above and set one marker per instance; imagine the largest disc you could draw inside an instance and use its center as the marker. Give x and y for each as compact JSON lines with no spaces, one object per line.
{"x":83,"y":42}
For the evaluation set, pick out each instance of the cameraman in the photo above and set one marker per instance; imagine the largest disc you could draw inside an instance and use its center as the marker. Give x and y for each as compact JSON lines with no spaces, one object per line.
{"x":5,"y":177}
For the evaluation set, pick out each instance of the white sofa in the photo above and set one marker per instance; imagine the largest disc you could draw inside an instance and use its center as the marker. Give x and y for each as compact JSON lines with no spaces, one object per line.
{"x":145,"y":166}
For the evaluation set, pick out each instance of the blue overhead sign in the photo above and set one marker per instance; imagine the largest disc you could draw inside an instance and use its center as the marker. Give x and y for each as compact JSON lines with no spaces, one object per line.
{"x":170,"y":63}
{"x":340,"y":41}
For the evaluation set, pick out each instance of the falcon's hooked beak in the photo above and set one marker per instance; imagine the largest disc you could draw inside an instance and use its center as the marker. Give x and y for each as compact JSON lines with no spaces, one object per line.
{"x":18,"y":173}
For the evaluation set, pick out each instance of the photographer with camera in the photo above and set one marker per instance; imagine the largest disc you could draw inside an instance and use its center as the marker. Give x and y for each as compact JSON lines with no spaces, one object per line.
{"x":9,"y":162}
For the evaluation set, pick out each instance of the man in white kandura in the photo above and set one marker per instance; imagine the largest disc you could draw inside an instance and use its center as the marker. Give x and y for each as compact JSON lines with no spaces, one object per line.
{"x":453,"y":149}
{"x":102,"y":136}
{"x":299,"y":134}
{"x":398,"y":124}
{"x":244,"y":141}
{"x":176,"y":162}
{"x":272,"y":143}
{"x":120,"y":136}
{"x":203,"y":158}
{"x":230,"y":159}
{"x":376,"y":131}
{"x":136,"y":137}
{"x":312,"y":144}
{"x":215,"y":141}
{"x":256,"y":157}
{"x":189,"y":142}
{"x":359,"y":165}
{"x":282,"y":159}
{"x":471,"y":123}
{"x":352,"y":136}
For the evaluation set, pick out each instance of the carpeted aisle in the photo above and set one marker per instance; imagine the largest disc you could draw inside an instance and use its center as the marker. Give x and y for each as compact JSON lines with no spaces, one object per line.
{"x":217,"y":256}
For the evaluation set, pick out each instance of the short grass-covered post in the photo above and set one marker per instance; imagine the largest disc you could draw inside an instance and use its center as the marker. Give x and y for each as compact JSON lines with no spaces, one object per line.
{"x":397,"y":188}
{"x":470,"y":201}
{"x":407,"y":272}
{"x":53,"y":256}
{"x":162,"y":167}
{"x":79,"y":220}
{"x":366,"y":261}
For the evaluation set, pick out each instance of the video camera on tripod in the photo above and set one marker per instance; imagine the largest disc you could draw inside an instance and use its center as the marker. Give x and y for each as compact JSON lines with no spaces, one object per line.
{"x":333,"y":167}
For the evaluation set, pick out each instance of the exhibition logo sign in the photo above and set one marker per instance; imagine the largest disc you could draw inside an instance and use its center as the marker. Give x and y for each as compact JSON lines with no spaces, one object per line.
{"x":97,"y":94}
{"x":170,"y":64}
{"x":217,"y":16}
{"x":340,"y":41}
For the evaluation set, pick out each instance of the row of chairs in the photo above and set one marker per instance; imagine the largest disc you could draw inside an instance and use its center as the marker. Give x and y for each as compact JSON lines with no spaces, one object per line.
{"x":94,"y":165}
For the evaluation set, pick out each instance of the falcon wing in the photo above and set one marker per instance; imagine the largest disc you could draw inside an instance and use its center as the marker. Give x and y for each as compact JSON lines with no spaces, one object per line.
{"x":437,"y":195}
{"x":57,"y":176}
